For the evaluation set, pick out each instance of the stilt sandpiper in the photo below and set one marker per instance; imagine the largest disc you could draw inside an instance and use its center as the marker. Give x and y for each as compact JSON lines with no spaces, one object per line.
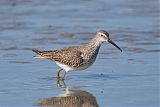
{"x":76,"y":58}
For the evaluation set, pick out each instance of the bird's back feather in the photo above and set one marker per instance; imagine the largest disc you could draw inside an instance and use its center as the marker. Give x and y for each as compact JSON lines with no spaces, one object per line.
{"x":69,"y":56}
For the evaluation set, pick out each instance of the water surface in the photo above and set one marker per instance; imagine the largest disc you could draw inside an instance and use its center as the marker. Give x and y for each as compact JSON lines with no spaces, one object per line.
{"x":127,"y":79}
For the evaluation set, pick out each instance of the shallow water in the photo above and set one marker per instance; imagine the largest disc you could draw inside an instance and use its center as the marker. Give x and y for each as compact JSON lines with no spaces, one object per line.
{"x":127,"y":79}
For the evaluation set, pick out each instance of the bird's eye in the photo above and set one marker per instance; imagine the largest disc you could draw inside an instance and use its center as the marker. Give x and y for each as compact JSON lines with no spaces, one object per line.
{"x":101,"y":35}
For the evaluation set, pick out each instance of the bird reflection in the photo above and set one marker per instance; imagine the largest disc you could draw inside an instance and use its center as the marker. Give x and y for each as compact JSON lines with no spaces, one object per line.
{"x":71,"y":97}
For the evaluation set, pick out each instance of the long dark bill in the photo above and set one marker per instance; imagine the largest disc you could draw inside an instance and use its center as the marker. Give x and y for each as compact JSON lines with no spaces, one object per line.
{"x":110,"y":41}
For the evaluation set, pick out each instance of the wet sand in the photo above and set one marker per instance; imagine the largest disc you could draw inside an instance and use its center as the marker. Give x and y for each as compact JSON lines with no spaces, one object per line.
{"x":127,"y":79}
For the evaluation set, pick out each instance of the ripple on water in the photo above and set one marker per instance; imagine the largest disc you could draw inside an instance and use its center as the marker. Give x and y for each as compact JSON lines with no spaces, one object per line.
{"x":132,"y":24}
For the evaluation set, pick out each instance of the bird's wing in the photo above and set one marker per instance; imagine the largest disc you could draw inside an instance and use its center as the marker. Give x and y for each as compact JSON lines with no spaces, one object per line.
{"x":71,"y":57}
{"x":68,"y":56}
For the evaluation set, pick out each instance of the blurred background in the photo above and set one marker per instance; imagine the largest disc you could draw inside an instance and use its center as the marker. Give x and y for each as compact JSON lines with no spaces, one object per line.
{"x":127,"y":79}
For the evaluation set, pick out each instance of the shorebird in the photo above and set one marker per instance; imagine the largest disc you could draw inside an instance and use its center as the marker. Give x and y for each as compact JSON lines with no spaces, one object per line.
{"x":76,"y":58}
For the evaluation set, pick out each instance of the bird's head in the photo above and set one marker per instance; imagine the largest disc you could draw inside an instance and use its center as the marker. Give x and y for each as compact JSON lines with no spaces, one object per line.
{"x":103,"y":36}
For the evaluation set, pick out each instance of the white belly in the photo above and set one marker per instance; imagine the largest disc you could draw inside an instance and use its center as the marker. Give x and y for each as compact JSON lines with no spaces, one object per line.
{"x":64,"y":67}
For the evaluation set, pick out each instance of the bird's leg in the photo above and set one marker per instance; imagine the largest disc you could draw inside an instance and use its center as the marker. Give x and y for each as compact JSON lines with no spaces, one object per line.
{"x":57,"y":72}
{"x":62,"y":78}
{"x":59,"y":81}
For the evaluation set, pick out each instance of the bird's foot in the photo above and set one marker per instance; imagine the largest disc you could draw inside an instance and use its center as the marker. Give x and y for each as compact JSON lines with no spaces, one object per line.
{"x":59,"y":81}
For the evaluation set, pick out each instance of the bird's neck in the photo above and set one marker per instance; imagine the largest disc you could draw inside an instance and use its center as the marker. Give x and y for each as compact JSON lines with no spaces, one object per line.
{"x":94,"y":44}
{"x":92,"y":48}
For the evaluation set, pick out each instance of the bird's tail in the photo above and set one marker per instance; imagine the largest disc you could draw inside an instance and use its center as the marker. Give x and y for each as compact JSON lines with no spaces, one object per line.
{"x":36,"y":51}
{"x":40,"y":54}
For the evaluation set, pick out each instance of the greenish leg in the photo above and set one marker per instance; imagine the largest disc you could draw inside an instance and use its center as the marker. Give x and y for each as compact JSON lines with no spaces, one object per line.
{"x":62,"y":78}
{"x":57,"y":72}
{"x":59,"y":81}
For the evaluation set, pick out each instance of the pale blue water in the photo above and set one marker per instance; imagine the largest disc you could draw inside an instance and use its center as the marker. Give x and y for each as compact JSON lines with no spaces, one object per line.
{"x":127,"y":79}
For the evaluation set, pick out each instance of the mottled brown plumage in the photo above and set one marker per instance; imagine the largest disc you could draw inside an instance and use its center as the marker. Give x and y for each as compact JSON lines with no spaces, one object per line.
{"x":68,"y":56}
{"x":77,"y":57}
